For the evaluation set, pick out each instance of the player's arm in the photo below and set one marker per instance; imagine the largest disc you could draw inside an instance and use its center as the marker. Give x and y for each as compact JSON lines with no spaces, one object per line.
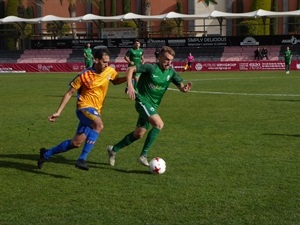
{"x":119,"y":80}
{"x":62,"y":104}
{"x":129,"y":75}
{"x":85,"y":55}
{"x":184,"y":87}
{"x":142,"y":59}
{"x":127,"y":58}
{"x":177,"y":80}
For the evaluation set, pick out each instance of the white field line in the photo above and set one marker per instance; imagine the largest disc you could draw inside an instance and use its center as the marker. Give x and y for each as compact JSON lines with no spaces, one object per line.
{"x":231,"y":93}
{"x":241,"y":78}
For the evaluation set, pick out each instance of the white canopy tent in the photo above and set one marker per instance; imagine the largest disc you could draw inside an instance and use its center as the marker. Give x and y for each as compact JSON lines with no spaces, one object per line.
{"x":132,"y":16}
{"x":91,"y":18}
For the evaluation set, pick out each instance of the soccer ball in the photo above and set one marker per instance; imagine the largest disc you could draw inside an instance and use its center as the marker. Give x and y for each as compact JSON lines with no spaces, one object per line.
{"x":157,"y":165}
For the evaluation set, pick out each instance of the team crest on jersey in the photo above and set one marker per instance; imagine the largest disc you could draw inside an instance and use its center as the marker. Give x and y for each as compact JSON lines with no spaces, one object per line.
{"x":168,"y":77}
{"x":108,"y":77}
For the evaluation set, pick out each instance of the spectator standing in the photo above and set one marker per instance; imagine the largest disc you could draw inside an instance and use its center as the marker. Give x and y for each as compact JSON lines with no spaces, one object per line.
{"x":88,"y":56}
{"x":257,"y":54}
{"x":287,"y":59}
{"x":264,"y":53}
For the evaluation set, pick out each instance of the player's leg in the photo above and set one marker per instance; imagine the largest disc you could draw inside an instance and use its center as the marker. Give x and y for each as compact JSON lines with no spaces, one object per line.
{"x":45,"y":154}
{"x":287,"y":67}
{"x":141,"y":128}
{"x":90,"y":125}
{"x":157,"y":125}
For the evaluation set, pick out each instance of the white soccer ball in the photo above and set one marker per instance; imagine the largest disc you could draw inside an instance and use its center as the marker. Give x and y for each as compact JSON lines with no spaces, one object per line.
{"x":157,"y":165}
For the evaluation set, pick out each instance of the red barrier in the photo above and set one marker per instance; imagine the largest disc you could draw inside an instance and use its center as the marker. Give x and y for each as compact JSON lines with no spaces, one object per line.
{"x":178,"y":66}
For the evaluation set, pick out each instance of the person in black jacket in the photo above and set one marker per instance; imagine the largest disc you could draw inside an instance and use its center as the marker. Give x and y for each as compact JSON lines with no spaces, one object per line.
{"x":264,"y":53}
{"x":257,"y":54}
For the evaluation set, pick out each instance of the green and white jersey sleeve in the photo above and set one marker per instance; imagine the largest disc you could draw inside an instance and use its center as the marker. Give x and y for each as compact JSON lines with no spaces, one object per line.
{"x":154,"y":82}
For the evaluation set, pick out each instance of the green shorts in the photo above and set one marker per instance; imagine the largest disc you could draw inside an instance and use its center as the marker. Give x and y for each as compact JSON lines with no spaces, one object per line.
{"x":145,"y":110}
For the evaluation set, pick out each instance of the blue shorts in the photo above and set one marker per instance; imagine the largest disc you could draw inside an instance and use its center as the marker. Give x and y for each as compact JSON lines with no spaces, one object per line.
{"x":86,"y":116}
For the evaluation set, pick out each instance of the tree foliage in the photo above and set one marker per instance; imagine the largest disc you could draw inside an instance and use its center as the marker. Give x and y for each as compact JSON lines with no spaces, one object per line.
{"x":263,"y":24}
{"x":59,"y":30}
{"x":239,"y":9}
{"x":168,"y":28}
{"x":274,"y":21}
{"x":126,"y":6}
{"x":114,"y":11}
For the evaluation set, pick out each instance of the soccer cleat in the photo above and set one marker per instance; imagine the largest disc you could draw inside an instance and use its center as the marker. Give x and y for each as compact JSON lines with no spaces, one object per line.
{"x":143,"y":160}
{"x":81,"y":164}
{"x":42,"y":159}
{"x":111,"y":155}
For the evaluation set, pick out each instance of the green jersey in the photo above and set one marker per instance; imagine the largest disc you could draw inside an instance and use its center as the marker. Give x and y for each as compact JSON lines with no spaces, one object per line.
{"x":135,"y":55}
{"x":154,"y":82}
{"x":89,"y":54}
{"x":287,"y":56}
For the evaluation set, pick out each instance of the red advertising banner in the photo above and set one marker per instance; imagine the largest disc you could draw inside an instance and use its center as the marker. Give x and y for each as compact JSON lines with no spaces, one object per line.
{"x":178,"y":66}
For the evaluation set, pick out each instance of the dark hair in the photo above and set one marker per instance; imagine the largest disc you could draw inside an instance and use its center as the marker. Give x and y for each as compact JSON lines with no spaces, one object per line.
{"x":99,"y":53}
{"x":137,"y":40}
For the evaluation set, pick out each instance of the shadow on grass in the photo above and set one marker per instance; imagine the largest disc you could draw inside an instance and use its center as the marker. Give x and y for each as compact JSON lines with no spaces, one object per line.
{"x":132,"y":171}
{"x":286,"y":135}
{"x":285,"y":100}
{"x":32,"y":168}
{"x":28,"y":168}
{"x":106,"y":166}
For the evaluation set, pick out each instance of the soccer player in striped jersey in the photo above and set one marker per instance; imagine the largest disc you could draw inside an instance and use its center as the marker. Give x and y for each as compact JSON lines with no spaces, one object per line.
{"x":91,"y":86}
{"x":148,"y":93}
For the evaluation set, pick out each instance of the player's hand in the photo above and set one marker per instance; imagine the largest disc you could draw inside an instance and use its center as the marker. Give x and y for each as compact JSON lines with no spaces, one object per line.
{"x":131,"y":93}
{"x":53,"y":117}
{"x":187,"y":87}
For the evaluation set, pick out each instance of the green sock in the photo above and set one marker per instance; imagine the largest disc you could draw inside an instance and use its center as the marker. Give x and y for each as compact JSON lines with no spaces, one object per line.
{"x":151,"y":137}
{"x":127,"y":140}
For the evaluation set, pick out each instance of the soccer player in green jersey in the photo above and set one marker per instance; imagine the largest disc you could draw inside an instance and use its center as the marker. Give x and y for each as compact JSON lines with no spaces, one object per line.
{"x":148,"y":93}
{"x":88,"y":56}
{"x":135,"y":57}
{"x":287,"y":59}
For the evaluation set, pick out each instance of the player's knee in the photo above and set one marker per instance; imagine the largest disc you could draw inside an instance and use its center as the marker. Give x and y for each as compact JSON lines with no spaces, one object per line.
{"x":75,"y":144}
{"x":139,"y":133}
{"x":98,"y":127}
{"x":160,"y":125}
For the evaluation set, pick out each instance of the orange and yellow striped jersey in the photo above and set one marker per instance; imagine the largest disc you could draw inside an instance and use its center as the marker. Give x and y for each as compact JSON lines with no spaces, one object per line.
{"x":92,"y":87}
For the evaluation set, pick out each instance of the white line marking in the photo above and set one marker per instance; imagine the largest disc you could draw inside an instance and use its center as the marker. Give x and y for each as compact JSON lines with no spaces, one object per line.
{"x":240,"y":78}
{"x":245,"y":94}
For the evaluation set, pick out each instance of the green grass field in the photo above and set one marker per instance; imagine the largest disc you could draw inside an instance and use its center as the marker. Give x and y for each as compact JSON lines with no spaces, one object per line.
{"x":231,"y":147}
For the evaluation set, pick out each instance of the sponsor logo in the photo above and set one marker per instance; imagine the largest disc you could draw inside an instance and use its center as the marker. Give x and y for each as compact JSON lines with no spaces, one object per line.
{"x":249,"y":41}
{"x":198,"y":66}
{"x":292,"y":41}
